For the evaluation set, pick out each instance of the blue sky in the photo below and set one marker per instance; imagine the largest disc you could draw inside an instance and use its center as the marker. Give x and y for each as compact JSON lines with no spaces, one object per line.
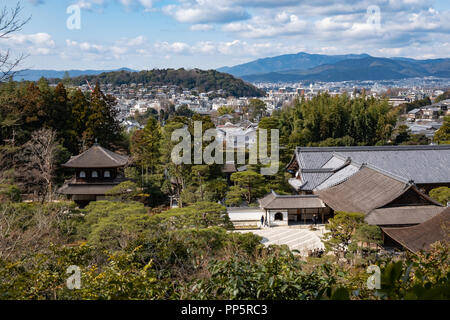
{"x":146,"y":34}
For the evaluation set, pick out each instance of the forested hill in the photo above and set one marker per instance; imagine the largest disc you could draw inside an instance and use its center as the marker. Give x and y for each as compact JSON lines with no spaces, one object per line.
{"x":202,"y":80}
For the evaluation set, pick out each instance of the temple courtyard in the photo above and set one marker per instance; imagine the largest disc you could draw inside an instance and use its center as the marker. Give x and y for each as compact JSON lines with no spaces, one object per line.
{"x":298,"y":238}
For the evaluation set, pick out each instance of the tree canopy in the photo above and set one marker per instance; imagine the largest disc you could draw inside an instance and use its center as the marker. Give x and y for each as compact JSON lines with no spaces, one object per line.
{"x":202,"y":80}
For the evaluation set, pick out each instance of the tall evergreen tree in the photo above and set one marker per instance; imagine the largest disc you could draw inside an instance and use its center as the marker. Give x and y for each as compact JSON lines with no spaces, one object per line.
{"x":102,"y":123}
{"x":80,"y":114}
{"x":146,"y":144}
{"x":61,"y":118}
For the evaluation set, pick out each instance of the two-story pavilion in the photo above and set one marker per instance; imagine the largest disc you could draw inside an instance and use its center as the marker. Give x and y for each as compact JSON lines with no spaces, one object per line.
{"x":97,"y":170}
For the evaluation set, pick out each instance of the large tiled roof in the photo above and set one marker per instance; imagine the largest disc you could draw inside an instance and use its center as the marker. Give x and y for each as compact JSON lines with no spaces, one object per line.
{"x":421,"y":164}
{"x":97,"y":157}
{"x":379,"y":196}
{"x":338,"y":176}
{"x":73,"y":186}
{"x":276,"y":201}
{"x":405,"y":215}
{"x":421,"y":236}
{"x":312,"y":179}
{"x":364,"y":191}
{"x":83,"y":189}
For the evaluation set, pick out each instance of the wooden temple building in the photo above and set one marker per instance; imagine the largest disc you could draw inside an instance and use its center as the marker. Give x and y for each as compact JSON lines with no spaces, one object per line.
{"x":281,"y":210}
{"x":317,"y":168}
{"x":388,"y":184}
{"x":97,"y":170}
{"x":293,"y":209}
{"x":386,"y":201}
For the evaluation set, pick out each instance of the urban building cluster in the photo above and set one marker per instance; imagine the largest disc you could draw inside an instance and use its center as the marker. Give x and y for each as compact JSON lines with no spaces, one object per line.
{"x":407,"y":90}
{"x":140,"y":99}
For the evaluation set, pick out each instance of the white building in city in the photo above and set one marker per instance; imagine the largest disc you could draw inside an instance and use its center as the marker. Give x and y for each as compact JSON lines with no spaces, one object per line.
{"x":237,"y":135}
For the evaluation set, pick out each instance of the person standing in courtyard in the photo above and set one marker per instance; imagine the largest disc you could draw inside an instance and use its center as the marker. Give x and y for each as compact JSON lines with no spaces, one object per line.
{"x":262,"y":221}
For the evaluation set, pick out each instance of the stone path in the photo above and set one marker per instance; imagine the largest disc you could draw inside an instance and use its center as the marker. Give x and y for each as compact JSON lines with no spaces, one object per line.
{"x":302,"y":240}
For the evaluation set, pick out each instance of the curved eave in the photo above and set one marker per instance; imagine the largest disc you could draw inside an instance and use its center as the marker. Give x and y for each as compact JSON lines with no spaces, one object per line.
{"x":65,"y":165}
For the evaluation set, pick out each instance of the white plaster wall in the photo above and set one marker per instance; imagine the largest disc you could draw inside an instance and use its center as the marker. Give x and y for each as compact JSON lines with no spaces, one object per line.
{"x":274,"y":222}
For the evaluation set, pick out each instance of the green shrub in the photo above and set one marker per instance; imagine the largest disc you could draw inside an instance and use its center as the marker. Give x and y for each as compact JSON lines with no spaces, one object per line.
{"x":10,"y":192}
{"x":441,"y":194}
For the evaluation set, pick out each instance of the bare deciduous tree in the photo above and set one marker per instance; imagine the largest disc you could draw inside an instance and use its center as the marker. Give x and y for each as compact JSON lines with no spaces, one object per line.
{"x":10,"y":22}
{"x":42,"y":150}
{"x":41,"y":229}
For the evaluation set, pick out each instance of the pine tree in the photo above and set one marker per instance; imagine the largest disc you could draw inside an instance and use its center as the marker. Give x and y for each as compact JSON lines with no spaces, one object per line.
{"x":146,"y":144}
{"x":60,"y":118}
{"x":102,"y":123}
{"x":442,"y":136}
{"x":80,"y":113}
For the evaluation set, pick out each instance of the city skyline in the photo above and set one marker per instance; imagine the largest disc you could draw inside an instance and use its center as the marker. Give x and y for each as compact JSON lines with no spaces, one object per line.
{"x":145,"y":34}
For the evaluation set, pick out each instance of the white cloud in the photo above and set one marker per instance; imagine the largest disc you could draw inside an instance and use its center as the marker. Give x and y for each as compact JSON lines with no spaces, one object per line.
{"x":138,"y":41}
{"x":260,"y":27}
{"x":206,"y":11}
{"x":43,"y":51}
{"x":40,"y":39}
{"x":234,"y":49}
{"x":34,"y":44}
{"x":86,"y":46}
{"x":175,"y":47}
{"x":147,"y":5}
{"x":266,"y":3}
{"x":119,"y":49}
{"x":202,"y":27}
{"x":90,"y":4}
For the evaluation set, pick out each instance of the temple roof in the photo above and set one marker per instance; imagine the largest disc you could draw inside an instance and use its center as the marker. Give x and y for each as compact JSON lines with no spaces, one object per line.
{"x":277,"y":201}
{"x":97,"y":157}
{"x":364,"y":191}
{"x":421,"y":164}
{"x":83,"y":189}
{"x":407,"y":215}
{"x":383,"y":198}
{"x":421,"y":236}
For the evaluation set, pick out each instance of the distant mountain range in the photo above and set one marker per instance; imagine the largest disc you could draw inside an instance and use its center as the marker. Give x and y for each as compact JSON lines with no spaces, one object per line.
{"x":299,"y":61}
{"x":34,"y":75}
{"x":316,"y":67}
{"x":301,"y":67}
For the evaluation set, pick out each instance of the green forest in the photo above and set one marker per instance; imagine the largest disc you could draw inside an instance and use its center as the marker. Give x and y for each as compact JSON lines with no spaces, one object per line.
{"x":125,"y":252}
{"x":132,"y":246}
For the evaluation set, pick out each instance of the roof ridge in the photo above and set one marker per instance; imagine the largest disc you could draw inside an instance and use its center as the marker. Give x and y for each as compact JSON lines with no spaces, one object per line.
{"x":374,"y":148}
{"x":90,"y":158}
{"x":297,"y":196}
{"x":106,"y":153}
{"x":79,"y":155}
{"x":386,"y":173}
{"x":359,"y":166}
{"x":316,"y":170}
